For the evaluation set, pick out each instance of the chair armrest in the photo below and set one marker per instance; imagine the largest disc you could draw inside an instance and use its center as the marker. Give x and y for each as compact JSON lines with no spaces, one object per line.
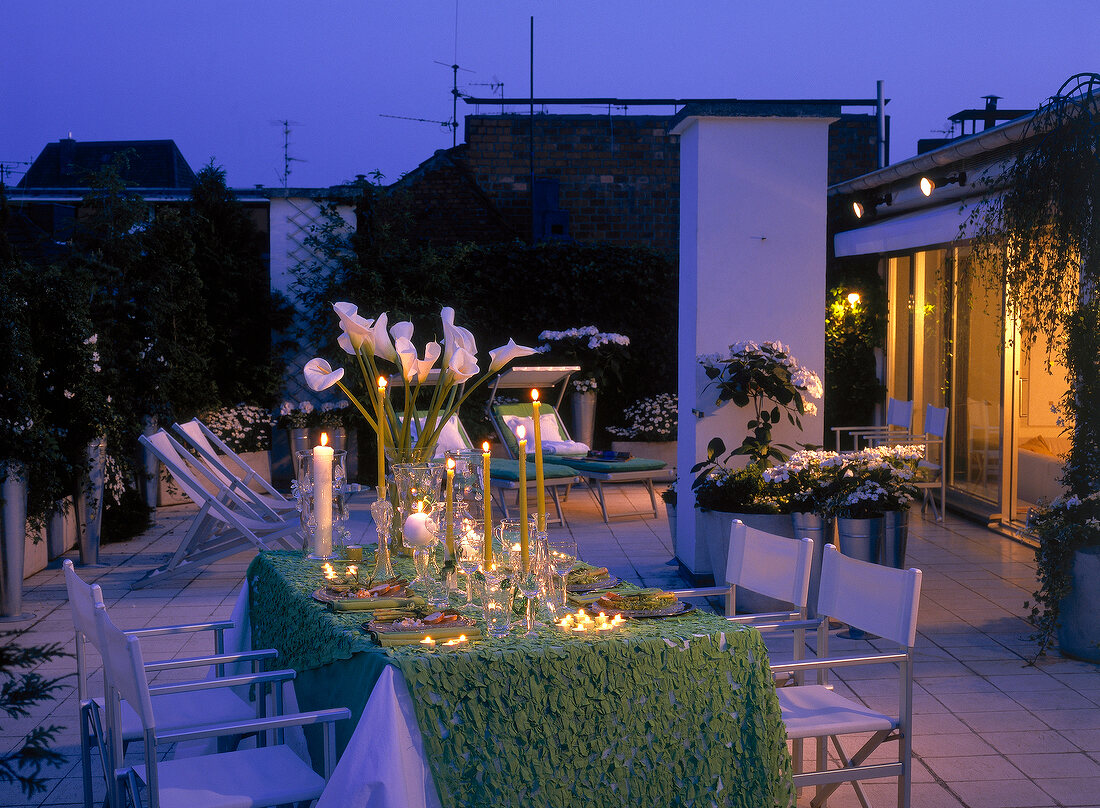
{"x":158,"y":631}
{"x":776,"y":625}
{"x":701,"y":592}
{"x":259,"y":725}
{"x":216,"y":659}
{"x":839,"y":662}
{"x":228,"y":681}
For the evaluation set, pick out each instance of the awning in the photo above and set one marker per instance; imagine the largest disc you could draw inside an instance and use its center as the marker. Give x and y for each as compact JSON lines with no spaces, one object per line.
{"x":925,"y":228}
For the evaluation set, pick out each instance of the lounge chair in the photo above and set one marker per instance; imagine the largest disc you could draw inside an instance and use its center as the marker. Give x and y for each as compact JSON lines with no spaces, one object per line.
{"x":504,"y":472}
{"x":226,"y":523}
{"x":595,"y":472}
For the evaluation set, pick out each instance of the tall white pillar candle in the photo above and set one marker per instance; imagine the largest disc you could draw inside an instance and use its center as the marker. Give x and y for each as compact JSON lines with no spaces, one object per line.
{"x":322,"y":497}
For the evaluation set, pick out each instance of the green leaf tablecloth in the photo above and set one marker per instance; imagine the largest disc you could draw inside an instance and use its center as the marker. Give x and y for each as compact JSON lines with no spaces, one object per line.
{"x":680,"y":711}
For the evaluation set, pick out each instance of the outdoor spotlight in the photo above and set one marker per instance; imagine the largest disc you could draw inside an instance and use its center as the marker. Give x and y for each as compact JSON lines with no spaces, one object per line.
{"x":863,"y":206}
{"x":853,"y":299}
{"x":930,"y":183}
{"x":857,"y":209}
{"x":927,"y":185}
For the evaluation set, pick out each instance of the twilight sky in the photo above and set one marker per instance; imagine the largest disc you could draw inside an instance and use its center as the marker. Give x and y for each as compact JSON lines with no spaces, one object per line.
{"x":217,"y":75}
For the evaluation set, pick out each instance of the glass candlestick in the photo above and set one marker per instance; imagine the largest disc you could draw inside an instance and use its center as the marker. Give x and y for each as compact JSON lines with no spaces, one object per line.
{"x":382,"y":512}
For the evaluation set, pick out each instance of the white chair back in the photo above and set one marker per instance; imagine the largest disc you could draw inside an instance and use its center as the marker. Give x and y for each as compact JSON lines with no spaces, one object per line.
{"x":124,"y":668}
{"x":194,"y":431}
{"x":172,"y":455}
{"x":899,"y":413}
{"x":770,"y":565}
{"x":881,"y":600}
{"x":83,"y":599}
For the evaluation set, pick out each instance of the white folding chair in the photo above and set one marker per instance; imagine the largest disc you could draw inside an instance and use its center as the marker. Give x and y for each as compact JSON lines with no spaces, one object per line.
{"x":266,"y":775}
{"x":180,"y":710}
{"x":251,"y":486}
{"x":226,"y":523}
{"x":876,"y":599}
{"x":899,"y":424}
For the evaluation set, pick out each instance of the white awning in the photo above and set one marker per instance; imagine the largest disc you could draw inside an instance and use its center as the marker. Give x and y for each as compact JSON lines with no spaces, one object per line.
{"x":926,"y":228}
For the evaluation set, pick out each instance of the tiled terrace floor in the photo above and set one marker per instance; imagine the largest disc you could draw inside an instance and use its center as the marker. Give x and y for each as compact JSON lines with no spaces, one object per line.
{"x":990,"y":730}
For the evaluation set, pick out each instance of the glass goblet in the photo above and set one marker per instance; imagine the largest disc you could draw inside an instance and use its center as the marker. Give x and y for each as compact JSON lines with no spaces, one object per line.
{"x":527,"y":582}
{"x":497,"y":601}
{"x":562,"y":552}
{"x":469,"y":552}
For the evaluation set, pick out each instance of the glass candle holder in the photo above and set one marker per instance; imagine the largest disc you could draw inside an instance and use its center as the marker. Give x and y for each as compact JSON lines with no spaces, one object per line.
{"x":322,"y":508}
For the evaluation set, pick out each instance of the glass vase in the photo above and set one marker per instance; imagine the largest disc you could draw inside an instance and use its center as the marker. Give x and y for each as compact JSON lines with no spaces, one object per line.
{"x":415,"y":484}
{"x":323,"y":514}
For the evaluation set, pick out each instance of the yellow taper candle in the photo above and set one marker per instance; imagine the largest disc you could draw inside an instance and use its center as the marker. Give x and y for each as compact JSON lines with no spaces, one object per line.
{"x":521,"y":436}
{"x":381,"y":416}
{"x":540,"y":490}
{"x":488,"y":501}
{"x":449,"y":518}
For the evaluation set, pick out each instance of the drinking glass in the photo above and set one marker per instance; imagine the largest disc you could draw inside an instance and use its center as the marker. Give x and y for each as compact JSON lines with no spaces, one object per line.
{"x":469,"y":551}
{"x":381,"y":511}
{"x":563,"y":559}
{"x":497,"y":602}
{"x":527,"y":583}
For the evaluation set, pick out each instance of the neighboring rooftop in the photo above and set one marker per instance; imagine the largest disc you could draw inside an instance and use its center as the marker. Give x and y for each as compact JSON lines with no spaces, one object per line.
{"x":148,"y":164}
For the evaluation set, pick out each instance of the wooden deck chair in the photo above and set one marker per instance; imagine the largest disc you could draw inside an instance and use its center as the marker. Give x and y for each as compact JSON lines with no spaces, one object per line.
{"x":225,"y":524}
{"x":178,"y":710}
{"x":877,"y":599}
{"x":243,"y":479}
{"x":899,"y":424}
{"x":504,"y":472}
{"x":595,"y":472}
{"x":270,"y":774}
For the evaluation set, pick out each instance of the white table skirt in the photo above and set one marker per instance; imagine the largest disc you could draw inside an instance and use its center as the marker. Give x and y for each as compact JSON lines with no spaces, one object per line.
{"x":383,"y":765}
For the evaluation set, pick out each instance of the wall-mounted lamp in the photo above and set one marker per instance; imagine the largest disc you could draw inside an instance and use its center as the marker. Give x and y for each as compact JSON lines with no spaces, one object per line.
{"x":930,"y":182}
{"x":853,"y":299}
{"x":865,"y":206}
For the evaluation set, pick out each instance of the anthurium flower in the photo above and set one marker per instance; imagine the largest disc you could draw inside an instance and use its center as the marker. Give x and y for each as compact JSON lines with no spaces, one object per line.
{"x":320,"y":375}
{"x":357,"y":330}
{"x":506,"y":353}
{"x":461,"y":366}
{"x":455,"y":337}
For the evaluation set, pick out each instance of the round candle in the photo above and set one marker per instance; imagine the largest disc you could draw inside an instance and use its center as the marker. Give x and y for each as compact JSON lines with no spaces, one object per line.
{"x":416,"y":530}
{"x":322,"y":497}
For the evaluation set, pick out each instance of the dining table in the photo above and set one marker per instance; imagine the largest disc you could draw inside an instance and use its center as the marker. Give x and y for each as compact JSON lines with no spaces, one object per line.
{"x":674,"y":711}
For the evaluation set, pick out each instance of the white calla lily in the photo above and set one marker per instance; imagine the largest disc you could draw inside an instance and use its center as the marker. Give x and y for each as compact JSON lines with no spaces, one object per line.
{"x":432,"y":352}
{"x":407,"y":358}
{"x":506,"y":353}
{"x":402,"y":330}
{"x":455,"y":336}
{"x":462,"y":365}
{"x":358,"y":329}
{"x":380,"y":338}
{"x":320,"y":375}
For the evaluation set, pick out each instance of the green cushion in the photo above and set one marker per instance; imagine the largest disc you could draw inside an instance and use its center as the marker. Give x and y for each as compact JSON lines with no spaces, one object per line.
{"x":610,"y":466}
{"x":502,"y":469}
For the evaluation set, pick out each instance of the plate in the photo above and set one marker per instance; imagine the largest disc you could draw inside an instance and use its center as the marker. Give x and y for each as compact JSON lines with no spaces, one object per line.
{"x":681,"y":607}
{"x":604,"y":583}
{"x":381,"y":628}
{"x":326,"y":595}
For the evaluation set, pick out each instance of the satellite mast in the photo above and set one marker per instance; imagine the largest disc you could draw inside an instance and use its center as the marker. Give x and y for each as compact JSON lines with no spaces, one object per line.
{"x":287,"y":159}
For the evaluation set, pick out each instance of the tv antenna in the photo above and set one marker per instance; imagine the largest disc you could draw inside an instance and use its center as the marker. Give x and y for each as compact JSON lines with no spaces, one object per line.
{"x":455,"y":94}
{"x":287,"y":159}
{"x":6,"y":168}
{"x":494,"y":85}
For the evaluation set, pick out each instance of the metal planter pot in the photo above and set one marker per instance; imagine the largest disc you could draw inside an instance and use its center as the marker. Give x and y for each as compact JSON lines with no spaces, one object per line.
{"x":895,"y":537}
{"x":821,"y":530}
{"x":1079,"y":626}
{"x":89,"y":504}
{"x":13,"y":537}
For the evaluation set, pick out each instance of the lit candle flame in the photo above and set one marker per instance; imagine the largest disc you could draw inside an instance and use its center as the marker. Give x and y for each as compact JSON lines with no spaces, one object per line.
{"x":485,"y":447}
{"x":521,"y":432}
{"x":427,"y":641}
{"x":324,"y":439}
{"x":382,"y":382}
{"x":534,"y":395}
{"x":450,"y":464}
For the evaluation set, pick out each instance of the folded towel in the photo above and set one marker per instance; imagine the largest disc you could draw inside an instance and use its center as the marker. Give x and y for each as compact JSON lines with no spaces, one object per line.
{"x":564,"y":447}
{"x":390,"y":639}
{"x":372,"y":604}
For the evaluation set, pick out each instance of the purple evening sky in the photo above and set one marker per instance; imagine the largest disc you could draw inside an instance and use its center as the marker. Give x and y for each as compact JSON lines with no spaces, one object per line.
{"x":215,"y":75}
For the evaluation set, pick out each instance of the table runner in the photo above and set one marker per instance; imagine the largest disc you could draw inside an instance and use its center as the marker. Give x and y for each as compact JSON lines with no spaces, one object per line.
{"x":661,"y":712}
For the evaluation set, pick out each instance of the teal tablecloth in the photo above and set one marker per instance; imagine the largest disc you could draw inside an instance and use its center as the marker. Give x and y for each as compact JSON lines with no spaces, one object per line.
{"x":680,"y":711}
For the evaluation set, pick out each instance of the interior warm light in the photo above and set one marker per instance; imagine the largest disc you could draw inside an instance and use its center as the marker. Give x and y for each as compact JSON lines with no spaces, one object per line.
{"x":927,"y":186}
{"x":853,"y":299}
{"x":857,"y":209}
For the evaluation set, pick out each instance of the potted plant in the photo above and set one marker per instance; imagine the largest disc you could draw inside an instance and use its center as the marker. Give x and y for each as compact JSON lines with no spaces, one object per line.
{"x":1046,"y":217}
{"x":294,"y":419}
{"x":649,"y":429}
{"x":599,"y":356}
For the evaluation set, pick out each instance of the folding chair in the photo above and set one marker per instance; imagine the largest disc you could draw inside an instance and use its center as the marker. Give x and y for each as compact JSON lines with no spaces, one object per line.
{"x":596,"y":473}
{"x":180,"y":710}
{"x":265,"y":775}
{"x":877,"y":599}
{"x":899,"y":424}
{"x":252,"y":486}
{"x":504,"y":472}
{"x":931,"y":471}
{"x":226,"y":523}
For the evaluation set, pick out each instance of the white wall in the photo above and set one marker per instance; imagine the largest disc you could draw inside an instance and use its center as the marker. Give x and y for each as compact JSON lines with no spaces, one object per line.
{"x":752,"y":266}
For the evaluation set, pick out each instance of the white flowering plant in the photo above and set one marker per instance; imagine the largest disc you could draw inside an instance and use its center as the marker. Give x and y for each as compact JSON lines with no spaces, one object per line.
{"x":332,"y":415}
{"x":244,"y":427}
{"x":294,"y":416}
{"x":653,"y":418}
{"x":600,"y":354}
{"x":758,"y":375}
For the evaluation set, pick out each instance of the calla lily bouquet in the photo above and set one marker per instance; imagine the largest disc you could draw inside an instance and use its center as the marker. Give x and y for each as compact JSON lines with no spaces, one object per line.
{"x":379,"y":349}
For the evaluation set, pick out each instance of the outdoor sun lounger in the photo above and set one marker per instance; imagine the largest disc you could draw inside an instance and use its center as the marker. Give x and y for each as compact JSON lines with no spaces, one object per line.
{"x":595,"y":472}
{"x":504,"y":472}
{"x":226,"y":523}
{"x":251,"y":485}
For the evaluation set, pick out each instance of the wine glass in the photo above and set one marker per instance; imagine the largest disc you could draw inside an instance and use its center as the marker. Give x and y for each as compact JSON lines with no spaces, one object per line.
{"x":382,"y":512}
{"x":527,"y":582}
{"x":497,"y":601}
{"x":563,"y":559}
{"x":469,"y":551}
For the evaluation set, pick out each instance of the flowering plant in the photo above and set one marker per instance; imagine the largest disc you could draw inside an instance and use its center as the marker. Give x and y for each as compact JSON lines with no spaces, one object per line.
{"x":759,"y":373}
{"x":653,"y":418}
{"x":598,"y":353}
{"x":294,"y":417}
{"x":332,"y":415}
{"x":372,"y":342}
{"x":244,"y":428}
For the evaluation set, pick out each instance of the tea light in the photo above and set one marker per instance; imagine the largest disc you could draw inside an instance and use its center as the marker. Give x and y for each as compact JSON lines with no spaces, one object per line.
{"x":352,"y":571}
{"x":456,"y":641}
{"x":427,"y":641}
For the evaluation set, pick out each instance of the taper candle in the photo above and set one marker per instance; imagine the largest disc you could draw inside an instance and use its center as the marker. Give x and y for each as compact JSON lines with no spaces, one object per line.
{"x":488,"y":502}
{"x":540,"y":490}
{"x":381,"y":417}
{"x":521,"y":436}
{"x":448,"y":518}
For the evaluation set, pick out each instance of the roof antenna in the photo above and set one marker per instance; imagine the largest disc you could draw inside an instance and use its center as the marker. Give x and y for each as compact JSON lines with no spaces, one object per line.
{"x":287,"y":159}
